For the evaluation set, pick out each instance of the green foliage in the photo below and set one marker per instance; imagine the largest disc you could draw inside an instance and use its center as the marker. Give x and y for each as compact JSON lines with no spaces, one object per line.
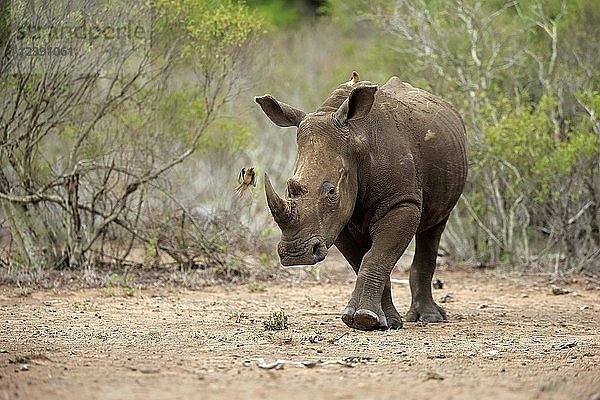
{"x":151,"y":252}
{"x":256,"y":287}
{"x":210,"y":35}
{"x":207,"y":29}
{"x":178,"y":112}
{"x":277,"y":321}
{"x":5,"y":27}
{"x":23,"y":291}
{"x":227,"y":135}
{"x":525,"y":140}
{"x":266,"y":260}
{"x":118,"y":285}
{"x":279,"y":13}
{"x":591,"y":100}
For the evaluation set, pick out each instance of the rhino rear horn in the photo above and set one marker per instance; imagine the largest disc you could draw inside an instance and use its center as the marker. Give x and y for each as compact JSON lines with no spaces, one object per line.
{"x":281,"y":209}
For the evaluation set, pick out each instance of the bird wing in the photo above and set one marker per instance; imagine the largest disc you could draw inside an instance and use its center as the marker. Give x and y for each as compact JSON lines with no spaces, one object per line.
{"x":241,"y":176}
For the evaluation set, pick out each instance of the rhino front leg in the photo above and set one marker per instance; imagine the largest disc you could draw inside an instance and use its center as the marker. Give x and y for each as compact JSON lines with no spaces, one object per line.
{"x":354,"y":250}
{"x":390,"y":236}
{"x":392,"y":320}
{"x":423,"y":308}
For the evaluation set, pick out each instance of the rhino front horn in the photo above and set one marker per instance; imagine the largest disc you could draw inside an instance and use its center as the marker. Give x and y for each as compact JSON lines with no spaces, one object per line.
{"x":281,"y":209}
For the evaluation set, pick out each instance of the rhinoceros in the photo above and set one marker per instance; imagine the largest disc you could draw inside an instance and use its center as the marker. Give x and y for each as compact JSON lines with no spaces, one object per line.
{"x":375,"y":167}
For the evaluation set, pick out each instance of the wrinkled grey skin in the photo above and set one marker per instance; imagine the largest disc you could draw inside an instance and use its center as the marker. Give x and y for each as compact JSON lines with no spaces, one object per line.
{"x":375,"y":167}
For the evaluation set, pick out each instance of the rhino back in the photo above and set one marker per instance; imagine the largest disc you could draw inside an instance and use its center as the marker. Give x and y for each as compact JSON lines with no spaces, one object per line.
{"x":432,"y":132}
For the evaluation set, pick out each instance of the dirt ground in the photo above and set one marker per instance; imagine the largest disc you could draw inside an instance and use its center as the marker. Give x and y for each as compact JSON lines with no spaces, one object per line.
{"x":509,"y":337}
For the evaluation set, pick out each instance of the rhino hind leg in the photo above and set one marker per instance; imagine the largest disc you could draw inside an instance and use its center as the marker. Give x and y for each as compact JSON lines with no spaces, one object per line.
{"x":423,"y":307}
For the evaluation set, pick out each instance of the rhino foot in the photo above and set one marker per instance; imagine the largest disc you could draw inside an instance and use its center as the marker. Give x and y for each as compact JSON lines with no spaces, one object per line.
{"x":394,"y":320}
{"x":426,"y":312}
{"x":348,"y":317}
{"x":364,"y":320}
{"x":367,"y":320}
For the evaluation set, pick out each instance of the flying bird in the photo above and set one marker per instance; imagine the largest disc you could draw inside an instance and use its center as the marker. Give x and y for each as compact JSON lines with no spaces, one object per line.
{"x":246,"y":177}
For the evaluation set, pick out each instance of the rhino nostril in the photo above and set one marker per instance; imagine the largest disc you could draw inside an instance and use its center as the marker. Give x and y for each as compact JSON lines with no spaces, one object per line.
{"x":315,"y":250}
{"x":318,"y":251}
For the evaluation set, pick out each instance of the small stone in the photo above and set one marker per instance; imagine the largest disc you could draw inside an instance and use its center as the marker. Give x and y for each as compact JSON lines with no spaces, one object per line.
{"x":438,"y":284}
{"x":433,"y":375}
{"x":150,"y":370}
{"x":558,"y":290}
{"x":446,"y":298}
{"x":439,"y":355}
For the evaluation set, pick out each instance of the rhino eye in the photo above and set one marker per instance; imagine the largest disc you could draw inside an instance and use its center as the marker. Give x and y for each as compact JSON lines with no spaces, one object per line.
{"x":329,"y":190}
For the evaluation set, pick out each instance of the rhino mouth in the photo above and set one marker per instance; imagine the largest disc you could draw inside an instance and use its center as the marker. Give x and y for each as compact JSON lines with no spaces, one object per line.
{"x":308,"y":252}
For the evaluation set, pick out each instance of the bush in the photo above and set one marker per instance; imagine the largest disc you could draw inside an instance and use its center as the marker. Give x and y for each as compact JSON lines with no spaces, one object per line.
{"x":90,"y":141}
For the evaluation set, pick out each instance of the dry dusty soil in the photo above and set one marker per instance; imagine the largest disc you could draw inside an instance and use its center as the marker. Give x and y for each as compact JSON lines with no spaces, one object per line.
{"x":508,"y":337}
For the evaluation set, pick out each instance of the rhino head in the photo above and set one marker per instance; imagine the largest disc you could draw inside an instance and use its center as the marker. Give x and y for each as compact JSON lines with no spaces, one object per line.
{"x":322,"y":192}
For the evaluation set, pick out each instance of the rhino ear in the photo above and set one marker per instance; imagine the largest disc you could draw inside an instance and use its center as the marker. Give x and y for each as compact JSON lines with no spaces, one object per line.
{"x":280,"y":113}
{"x":357,"y":105}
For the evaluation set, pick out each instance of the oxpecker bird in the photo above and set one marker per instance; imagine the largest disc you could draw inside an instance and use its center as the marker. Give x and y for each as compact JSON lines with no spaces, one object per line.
{"x":246,"y":177}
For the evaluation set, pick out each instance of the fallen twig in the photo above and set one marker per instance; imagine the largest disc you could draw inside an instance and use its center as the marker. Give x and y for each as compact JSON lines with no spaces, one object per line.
{"x":341,"y":336}
{"x":567,"y":345}
{"x":349,"y":362}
